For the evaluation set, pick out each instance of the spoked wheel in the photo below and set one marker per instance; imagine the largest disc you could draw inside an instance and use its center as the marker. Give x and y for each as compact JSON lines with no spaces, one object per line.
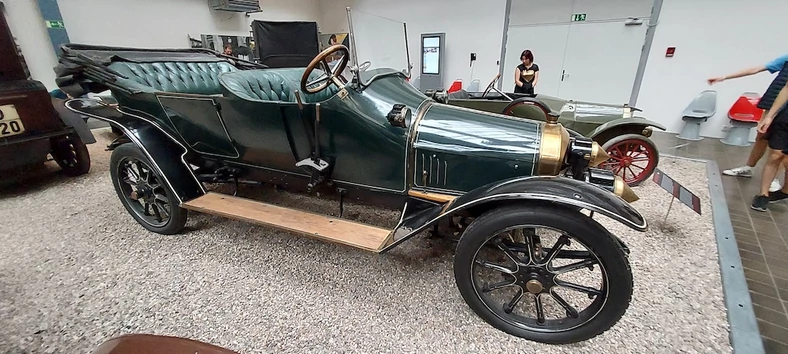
{"x":71,"y":154}
{"x":546,"y":274}
{"x":633,"y":157}
{"x":143,"y":192}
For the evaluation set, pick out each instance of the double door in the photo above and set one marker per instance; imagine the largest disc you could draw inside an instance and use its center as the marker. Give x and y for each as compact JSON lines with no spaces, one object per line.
{"x":591,"y":60}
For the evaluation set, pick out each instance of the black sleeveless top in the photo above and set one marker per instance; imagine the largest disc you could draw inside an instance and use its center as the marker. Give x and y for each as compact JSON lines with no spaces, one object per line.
{"x":523,"y":69}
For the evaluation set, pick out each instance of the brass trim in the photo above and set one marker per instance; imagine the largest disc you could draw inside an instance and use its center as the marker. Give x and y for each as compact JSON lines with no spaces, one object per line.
{"x":598,"y":155}
{"x":552,"y":149}
{"x":618,"y":186}
{"x":435,"y":197}
{"x":410,"y":159}
{"x":647,"y":132}
{"x":534,"y":286}
{"x":621,"y":189}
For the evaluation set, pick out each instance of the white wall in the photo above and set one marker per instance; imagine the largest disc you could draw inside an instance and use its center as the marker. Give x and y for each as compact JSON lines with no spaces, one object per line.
{"x":470,"y":26}
{"x":712,"y":38}
{"x":535,"y":12}
{"x":141,"y":23}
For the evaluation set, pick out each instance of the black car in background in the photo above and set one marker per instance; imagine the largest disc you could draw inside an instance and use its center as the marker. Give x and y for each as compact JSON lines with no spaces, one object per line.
{"x":34,"y":124}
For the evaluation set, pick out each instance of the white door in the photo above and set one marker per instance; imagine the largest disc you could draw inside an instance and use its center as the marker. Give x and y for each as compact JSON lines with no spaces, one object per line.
{"x":601,"y":61}
{"x":547,"y":44}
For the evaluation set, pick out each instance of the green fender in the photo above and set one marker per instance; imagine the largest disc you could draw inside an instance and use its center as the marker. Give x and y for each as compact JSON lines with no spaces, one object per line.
{"x":625,"y":122}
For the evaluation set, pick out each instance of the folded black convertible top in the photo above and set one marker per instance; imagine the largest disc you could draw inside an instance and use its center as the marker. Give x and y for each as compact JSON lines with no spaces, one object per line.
{"x":84,"y":68}
{"x":106,"y":55}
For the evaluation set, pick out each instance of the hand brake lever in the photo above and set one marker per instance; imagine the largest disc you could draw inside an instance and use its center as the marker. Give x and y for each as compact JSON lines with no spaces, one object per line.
{"x":298,"y":99}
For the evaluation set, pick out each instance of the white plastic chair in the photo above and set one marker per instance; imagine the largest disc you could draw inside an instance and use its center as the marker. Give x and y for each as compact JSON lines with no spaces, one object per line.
{"x":703,"y":107}
{"x":474,"y":86}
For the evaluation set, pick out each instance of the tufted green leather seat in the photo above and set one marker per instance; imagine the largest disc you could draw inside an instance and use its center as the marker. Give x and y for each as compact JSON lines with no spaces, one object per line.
{"x":178,"y":77}
{"x":271,"y":85}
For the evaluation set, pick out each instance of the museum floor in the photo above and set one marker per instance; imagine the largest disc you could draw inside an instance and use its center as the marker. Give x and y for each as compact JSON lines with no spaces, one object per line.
{"x":762,"y":237}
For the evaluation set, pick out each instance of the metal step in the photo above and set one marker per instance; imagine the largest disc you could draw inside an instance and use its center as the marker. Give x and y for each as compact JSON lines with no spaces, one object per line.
{"x":324,"y":227}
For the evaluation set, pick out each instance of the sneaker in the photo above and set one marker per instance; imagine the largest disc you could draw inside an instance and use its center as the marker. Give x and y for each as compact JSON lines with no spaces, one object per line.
{"x":775,"y":186}
{"x":759,"y":203}
{"x":777,"y":196}
{"x":744,"y":171}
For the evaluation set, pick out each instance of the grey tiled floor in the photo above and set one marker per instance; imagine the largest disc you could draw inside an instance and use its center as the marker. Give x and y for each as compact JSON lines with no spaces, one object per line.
{"x":762,"y":236}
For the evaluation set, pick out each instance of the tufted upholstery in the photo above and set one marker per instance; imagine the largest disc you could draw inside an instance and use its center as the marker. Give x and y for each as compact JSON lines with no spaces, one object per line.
{"x":271,"y":85}
{"x":178,"y":77}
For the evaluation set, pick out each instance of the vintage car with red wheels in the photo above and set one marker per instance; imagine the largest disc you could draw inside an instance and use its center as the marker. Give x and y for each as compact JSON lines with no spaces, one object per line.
{"x":623,"y":135}
{"x":519,"y":197}
{"x":33,"y":125}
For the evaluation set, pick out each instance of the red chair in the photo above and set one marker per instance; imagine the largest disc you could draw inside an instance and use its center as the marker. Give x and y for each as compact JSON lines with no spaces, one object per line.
{"x":744,"y":115}
{"x":456,"y":86}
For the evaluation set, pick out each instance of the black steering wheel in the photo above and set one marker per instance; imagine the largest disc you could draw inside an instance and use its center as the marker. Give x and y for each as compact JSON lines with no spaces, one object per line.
{"x":491,"y":85}
{"x":330,"y":76}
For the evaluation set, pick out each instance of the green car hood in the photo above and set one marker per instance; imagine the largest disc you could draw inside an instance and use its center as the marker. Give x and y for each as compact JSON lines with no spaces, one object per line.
{"x":458,"y":149}
{"x":590,"y":118}
{"x":583,"y":109}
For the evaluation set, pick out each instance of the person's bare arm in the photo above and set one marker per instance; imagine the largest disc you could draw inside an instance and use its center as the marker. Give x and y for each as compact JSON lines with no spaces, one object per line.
{"x":536,"y":78}
{"x":779,"y":102}
{"x":517,"y":77}
{"x":742,"y":73}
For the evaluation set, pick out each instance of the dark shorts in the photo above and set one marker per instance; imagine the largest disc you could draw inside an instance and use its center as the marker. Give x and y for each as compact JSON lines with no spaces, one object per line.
{"x":777,"y":135}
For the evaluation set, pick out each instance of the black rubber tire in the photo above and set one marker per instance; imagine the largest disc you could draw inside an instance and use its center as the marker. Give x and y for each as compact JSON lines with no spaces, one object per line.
{"x":616,"y":140}
{"x":595,"y":237}
{"x":178,"y":215}
{"x":71,"y":154}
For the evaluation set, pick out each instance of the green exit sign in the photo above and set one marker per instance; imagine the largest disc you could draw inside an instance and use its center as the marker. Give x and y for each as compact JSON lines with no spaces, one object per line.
{"x":578,"y":17}
{"x":55,"y":24}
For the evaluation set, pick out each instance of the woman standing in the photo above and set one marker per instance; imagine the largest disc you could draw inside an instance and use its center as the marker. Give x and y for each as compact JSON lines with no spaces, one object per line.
{"x":526,"y":75}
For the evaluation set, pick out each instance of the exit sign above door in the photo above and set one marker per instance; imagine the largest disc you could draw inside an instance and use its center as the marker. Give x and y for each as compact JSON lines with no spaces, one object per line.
{"x":578,"y":17}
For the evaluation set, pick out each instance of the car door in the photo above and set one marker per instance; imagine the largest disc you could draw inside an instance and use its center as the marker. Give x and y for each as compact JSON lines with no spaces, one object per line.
{"x":262,"y":134}
{"x":357,"y":138}
{"x":198,"y":120}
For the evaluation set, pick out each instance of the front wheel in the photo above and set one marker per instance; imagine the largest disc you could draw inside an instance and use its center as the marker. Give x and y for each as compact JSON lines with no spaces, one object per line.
{"x":143,"y":191}
{"x":633,"y":157}
{"x":546,"y":274}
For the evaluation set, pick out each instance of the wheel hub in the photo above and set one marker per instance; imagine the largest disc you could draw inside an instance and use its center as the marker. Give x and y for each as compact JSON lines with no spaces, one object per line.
{"x":626,"y":161}
{"x":534,"y":286}
{"x":534,"y":279}
{"x":141,"y":192}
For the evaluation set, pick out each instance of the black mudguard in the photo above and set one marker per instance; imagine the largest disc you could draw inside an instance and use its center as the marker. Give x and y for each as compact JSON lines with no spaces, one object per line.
{"x":164,"y":151}
{"x":74,"y":120}
{"x":420,"y":214}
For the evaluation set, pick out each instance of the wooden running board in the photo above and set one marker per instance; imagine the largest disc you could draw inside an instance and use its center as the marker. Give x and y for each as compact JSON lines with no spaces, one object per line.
{"x":347,"y":232}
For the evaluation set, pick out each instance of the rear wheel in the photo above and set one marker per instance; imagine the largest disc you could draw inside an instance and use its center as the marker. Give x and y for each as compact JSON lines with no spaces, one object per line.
{"x":71,"y":154}
{"x":143,"y":191}
{"x":633,"y":157}
{"x":546,"y":274}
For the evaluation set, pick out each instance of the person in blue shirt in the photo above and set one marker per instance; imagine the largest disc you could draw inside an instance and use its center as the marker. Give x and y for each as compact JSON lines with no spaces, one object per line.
{"x":778,"y":65}
{"x":774,"y":126}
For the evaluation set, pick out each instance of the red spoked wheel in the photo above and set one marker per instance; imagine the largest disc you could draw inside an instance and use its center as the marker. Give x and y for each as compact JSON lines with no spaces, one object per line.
{"x":633,"y":157}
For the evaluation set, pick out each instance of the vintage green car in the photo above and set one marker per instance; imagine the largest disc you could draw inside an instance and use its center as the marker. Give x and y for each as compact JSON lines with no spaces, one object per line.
{"x":624,"y":136}
{"x":521,"y":194}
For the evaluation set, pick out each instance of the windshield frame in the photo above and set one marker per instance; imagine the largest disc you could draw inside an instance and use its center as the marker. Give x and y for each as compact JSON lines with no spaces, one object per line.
{"x":365,"y":80}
